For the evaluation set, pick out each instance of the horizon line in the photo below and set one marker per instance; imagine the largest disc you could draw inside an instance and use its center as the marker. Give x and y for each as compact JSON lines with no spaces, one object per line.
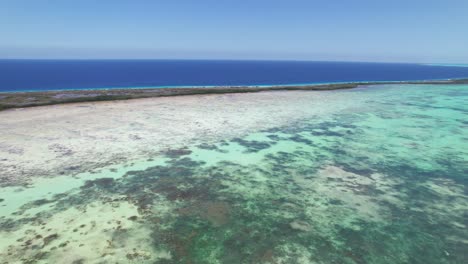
{"x":200,"y":59}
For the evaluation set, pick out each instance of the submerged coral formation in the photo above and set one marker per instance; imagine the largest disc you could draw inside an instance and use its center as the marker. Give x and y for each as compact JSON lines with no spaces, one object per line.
{"x":381,"y":182}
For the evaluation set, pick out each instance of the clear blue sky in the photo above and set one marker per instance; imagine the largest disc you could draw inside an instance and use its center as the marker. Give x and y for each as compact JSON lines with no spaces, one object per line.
{"x":343,"y":30}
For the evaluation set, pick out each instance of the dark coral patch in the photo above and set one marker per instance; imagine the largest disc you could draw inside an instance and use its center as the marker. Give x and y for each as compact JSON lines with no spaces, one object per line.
{"x":48,"y":239}
{"x":103,"y":183}
{"x":213,"y":147}
{"x":252,"y":145}
{"x":176,"y":153}
{"x":301,"y":139}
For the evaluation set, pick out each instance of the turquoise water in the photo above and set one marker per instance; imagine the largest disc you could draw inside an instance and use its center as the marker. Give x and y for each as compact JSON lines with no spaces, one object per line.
{"x":382,"y":182}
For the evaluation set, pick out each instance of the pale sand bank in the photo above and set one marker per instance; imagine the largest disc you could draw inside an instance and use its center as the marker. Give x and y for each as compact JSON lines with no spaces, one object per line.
{"x":68,"y":139}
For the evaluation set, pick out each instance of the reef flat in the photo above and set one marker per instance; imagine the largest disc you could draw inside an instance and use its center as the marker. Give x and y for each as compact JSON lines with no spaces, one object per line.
{"x":28,"y":99}
{"x":375,"y":174}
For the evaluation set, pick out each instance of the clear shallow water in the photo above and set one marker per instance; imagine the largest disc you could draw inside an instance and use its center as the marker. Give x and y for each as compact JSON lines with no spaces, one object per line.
{"x":383,"y":182}
{"x":38,"y":75}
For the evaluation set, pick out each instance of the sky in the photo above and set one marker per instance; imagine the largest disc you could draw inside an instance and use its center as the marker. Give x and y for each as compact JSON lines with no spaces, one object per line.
{"x":432,"y":31}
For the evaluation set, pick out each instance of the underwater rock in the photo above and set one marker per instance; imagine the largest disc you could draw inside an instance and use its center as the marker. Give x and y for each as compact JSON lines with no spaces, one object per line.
{"x":78,"y":261}
{"x":133,"y":218}
{"x":101,"y":183}
{"x":301,"y":139}
{"x":175,"y":153}
{"x":48,"y":239}
{"x":138,"y":255}
{"x":72,"y":168}
{"x":217,"y":213}
{"x":207,"y":146}
{"x":40,"y":202}
{"x":252,"y":145}
{"x":273,"y":137}
{"x":300,"y":225}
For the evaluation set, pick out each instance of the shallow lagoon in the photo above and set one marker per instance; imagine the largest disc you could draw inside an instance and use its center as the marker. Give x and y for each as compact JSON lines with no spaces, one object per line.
{"x":382,"y":181}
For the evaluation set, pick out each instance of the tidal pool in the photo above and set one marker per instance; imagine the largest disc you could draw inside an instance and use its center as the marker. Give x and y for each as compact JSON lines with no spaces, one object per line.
{"x":381,"y":181}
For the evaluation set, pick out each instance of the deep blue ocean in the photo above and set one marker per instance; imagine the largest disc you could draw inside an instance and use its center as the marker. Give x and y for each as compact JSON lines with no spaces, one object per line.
{"x":25,"y":75}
